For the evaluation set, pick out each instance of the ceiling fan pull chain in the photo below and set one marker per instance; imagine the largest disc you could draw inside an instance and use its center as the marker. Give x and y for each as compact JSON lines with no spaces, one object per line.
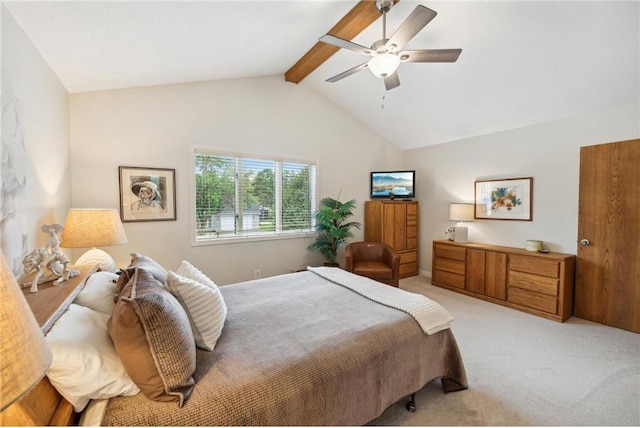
{"x":382,"y":103}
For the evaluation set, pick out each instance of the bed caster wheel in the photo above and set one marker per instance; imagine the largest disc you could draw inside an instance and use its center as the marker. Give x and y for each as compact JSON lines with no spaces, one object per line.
{"x":411,"y":406}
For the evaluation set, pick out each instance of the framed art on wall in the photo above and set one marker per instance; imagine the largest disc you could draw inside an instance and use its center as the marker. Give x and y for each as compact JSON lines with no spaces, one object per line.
{"x":506,"y":199}
{"x":147,"y":194}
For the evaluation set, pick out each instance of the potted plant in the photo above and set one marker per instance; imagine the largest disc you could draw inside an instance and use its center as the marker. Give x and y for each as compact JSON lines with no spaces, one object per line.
{"x":333,"y":228}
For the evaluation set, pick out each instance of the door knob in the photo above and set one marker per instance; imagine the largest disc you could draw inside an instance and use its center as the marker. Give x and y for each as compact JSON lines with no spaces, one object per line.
{"x":584,"y":242}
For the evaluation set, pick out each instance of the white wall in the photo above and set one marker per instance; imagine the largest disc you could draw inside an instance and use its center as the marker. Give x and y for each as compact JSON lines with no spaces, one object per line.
{"x":158,"y":126}
{"x":35,"y":145}
{"x":549,"y":152}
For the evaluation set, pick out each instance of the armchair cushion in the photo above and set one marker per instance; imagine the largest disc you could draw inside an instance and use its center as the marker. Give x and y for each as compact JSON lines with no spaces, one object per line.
{"x":379,"y":270}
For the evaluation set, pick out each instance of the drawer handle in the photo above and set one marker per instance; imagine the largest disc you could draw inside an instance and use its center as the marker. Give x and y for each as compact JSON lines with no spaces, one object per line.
{"x":585,"y":242}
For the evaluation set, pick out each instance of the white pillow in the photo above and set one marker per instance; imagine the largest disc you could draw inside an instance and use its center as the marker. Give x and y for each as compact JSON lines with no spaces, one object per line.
{"x":204,"y":306}
{"x":187,"y":270}
{"x":85,"y":363}
{"x":98,"y":292}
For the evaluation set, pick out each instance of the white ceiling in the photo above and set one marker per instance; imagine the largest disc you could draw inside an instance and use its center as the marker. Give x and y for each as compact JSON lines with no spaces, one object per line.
{"x":522,"y":62}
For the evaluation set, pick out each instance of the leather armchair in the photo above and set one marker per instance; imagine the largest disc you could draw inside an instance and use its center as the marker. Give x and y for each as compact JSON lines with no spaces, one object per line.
{"x":374,"y":260}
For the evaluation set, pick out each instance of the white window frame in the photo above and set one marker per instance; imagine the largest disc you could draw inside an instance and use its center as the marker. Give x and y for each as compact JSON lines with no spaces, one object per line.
{"x":265,"y":236}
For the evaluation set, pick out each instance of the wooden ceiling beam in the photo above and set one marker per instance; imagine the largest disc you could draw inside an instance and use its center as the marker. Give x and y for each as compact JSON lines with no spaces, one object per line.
{"x":357,"y":19}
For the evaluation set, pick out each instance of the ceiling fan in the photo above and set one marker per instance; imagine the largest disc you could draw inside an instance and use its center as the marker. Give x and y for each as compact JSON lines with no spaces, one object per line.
{"x":387,"y":54}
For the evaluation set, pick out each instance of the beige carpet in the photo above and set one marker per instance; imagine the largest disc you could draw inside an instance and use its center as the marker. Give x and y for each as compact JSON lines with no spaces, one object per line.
{"x":526,"y":370}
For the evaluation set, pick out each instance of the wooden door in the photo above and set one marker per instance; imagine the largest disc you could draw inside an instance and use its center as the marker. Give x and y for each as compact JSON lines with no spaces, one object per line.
{"x":496,"y":275}
{"x":389,"y":224}
{"x":400,"y":226}
{"x":394,"y":230}
{"x":608,"y":256}
{"x":475,"y":270}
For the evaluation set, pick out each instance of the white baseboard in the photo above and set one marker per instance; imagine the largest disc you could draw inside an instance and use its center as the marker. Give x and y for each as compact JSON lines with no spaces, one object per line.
{"x":426,"y":273}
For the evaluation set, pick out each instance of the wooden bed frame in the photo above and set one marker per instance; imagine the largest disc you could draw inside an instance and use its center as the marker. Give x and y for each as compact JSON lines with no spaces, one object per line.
{"x":43,"y":405}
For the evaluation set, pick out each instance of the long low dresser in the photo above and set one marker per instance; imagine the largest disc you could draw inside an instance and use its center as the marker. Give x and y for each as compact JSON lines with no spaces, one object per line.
{"x":537,"y":283}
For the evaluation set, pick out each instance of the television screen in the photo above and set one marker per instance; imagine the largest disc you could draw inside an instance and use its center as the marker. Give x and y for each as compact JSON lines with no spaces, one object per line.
{"x":393,"y":184}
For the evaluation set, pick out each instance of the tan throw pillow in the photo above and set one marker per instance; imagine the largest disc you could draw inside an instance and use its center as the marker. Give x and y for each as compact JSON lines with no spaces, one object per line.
{"x":141,"y":261}
{"x":204,"y":306}
{"x":152,"y":335}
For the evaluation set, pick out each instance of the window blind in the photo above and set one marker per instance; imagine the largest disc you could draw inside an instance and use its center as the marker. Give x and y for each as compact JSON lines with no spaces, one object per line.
{"x":243,"y":196}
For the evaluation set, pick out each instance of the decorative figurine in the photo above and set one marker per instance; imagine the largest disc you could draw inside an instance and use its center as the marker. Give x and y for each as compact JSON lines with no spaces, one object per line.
{"x":451,"y":233}
{"x":46,"y":263}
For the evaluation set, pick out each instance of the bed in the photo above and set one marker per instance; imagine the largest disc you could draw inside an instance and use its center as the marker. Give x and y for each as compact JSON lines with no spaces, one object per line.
{"x":318,"y":347}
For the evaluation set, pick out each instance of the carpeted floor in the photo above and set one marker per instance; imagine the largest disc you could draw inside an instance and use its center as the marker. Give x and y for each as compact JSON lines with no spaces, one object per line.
{"x":526,"y":370}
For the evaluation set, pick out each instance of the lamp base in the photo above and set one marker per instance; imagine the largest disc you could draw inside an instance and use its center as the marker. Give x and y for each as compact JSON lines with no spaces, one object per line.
{"x":461,"y":234}
{"x":98,"y":257}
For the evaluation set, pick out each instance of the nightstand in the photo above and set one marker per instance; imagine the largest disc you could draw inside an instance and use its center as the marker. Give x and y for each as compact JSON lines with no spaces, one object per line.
{"x":50,"y":302}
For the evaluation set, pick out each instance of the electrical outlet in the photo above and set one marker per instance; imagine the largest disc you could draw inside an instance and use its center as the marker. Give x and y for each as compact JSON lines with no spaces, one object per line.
{"x":257,"y":274}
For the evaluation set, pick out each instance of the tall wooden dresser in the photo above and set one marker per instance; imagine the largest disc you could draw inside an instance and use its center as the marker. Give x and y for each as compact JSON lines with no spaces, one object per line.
{"x":396,"y":224}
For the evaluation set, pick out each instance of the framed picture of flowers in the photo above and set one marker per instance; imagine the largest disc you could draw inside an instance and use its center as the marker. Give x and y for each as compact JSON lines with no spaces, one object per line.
{"x":506,"y":199}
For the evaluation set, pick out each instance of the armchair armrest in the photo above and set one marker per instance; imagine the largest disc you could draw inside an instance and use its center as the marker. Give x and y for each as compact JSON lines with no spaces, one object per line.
{"x":348,"y":258}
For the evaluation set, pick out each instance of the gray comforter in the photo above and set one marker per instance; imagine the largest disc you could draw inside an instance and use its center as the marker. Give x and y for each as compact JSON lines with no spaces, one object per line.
{"x":300,"y":350}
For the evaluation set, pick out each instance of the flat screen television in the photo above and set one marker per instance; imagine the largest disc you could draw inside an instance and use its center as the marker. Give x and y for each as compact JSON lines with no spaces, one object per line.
{"x":393,"y":184}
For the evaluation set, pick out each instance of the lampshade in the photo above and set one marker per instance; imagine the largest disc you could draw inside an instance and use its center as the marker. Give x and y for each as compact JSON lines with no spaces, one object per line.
{"x":25,"y":356}
{"x":383,"y":65}
{"x":461,"y":212}
{"x":86,"y":228}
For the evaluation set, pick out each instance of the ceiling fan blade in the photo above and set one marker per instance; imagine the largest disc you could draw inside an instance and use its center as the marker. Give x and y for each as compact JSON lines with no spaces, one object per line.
{"x":392,"y":81}
{"x":415,"y":22}
{"x":430,"y":55}
{"x":348,"y":72}
{"x":345,"y":44}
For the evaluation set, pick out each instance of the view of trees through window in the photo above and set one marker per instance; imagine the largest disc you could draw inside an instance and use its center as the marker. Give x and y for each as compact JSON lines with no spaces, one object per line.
{"x":237,"y":196}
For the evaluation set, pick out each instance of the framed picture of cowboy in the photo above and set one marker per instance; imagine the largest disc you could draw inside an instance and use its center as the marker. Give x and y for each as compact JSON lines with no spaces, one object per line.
{"x":147,"y":194}
{"x":505,"y":199}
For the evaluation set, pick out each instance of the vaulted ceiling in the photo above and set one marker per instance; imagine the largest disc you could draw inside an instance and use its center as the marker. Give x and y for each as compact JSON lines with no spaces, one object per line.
{"x":522,"y":62}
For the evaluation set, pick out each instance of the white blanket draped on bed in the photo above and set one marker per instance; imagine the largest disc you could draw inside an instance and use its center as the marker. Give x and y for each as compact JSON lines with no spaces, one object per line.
{"x":428,"y":314}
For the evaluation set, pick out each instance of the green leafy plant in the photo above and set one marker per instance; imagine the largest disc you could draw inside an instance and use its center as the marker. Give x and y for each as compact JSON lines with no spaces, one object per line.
{"x":332,"y":227}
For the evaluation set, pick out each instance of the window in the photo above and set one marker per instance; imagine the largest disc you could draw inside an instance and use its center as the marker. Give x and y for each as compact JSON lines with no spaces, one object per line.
{"x":240,"y":197}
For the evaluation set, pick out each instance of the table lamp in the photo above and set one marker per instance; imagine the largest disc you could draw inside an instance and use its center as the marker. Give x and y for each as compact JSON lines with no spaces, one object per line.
{"x":460,"y":212}
{"x":26,"y":356}
{"x":92,"y":228}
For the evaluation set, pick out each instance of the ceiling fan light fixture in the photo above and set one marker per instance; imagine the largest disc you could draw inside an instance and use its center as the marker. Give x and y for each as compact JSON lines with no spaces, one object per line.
{"x":384,"y":64}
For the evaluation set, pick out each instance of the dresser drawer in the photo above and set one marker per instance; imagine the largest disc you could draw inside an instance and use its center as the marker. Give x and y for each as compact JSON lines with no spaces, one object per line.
{"x":412,"y":243}
{"x":537,"y":265}
{"x":408,"y":257}
{"x":451,"y":252}
{"x":448,"y":278}
{"x":533,"y":300}
{"x":412,"y":237}
{"x":537,"y":283}
{"x":408,"y":269}
{"x":450,"y":265}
